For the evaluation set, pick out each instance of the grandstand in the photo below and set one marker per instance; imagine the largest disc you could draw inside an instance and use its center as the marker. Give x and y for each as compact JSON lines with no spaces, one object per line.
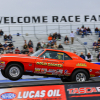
{"x":40,"y":33}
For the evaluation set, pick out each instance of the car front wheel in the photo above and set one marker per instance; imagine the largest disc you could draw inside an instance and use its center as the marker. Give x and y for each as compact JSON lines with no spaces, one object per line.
{"x":80,"y":76}
{"x":3,"y":73}
{"x":14,"y":71}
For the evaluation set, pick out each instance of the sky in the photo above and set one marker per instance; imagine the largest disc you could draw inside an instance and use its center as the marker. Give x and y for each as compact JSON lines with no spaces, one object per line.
{"x":48,"y":7}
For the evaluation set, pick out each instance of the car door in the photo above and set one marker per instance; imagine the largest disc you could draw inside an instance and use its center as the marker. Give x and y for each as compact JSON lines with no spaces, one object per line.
{"x":55,"y":62}
{"x":40,"y":66}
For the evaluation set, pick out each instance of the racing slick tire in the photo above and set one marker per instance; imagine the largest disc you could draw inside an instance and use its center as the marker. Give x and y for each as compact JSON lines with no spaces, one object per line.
{"x":3,"y":73}
{"x":14,"y":71}
{"x":80,"y":75}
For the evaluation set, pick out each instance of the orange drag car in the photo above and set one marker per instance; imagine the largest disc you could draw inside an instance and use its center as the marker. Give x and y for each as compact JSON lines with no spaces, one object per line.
{"x":49,"y":62}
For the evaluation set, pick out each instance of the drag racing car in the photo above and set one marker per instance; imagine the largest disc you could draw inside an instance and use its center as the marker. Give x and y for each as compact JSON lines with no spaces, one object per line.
{"x":48,"y":62}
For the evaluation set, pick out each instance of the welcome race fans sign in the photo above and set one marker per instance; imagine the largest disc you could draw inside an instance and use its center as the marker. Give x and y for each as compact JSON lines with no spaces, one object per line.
{"x":49,"y":19}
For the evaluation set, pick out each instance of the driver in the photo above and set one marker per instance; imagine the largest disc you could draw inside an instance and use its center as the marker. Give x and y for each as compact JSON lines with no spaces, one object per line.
{"x":60,"y":56}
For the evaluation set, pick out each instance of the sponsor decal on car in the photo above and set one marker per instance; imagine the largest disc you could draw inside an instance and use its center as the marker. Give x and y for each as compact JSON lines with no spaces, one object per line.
{"x":65,"y":71}
{"x":92,"y":75}
{"x":8,"y":96}
{"x":60,"y":53}
{"x":97,"y":72}
{"x":51,"y":71}
{"x":81,"y":64}
{"x":49,"y":64}
{"x":43,"y":70}
{"x":37,"y":69}
{"x":41,"y":63}
{"x":59,"y":71}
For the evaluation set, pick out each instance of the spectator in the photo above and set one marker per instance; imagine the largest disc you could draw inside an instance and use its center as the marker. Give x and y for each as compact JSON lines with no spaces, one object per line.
{"x":48,"y":46}
{"x":52,"y":45}
{"x":59,"y":36}
{"x":97,"y":49}
{"x":66,"y":40}
{"x":84,"y":33}
{"x":77,"y":31}
{"x":54,"y":35}
{"x":25,"y":46}
{"x":30,"y":42}
{"x":80,"y":31}
{"x":75,"y":52}
{"x":38,"y":44}
{"x":98,"y":57}
{"x":10,"y":51}
{"x":44,"y":45}
{"x":38,"y":47}
{"x":1,"y":47}
{"x":89,"y":57}
{"x":54,"y":40}
{"x":25,"y":41}
{"x":55,"y":46}
{"x":30,"y":50}
{"x":1,"y":32}
{"x":60,"y":46}
{"x":5,"y":46}
{"x":82,"y":56}
{"x":89,"y":30}
{"x":10,"y":46}
{"x":72,"y":37}
{"x":98,"y":44}
{"x":5,"y":37}
{"x":9,"y":37}
{"x":99,"y":40}
{"x":94,"y":44}
{"x":99,"y":32}
{"x":17,"y":51}
{"x":50,"y":37}
{"x":96,"y":30}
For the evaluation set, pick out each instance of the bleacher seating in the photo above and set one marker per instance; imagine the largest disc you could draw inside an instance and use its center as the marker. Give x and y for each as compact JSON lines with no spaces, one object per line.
{"x":78,"y":45}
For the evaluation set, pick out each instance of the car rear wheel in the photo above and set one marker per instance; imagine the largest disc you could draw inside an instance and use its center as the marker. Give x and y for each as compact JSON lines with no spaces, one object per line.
{"x":3,"y":73}
{"x":80,"y":76}
{"x":14,"y":71}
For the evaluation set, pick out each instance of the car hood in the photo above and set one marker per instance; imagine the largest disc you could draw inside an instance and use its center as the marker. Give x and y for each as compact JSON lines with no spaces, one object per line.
{"x":13,"y":55}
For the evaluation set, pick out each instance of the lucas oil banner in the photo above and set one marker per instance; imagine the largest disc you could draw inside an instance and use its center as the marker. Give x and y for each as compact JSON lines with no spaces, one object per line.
{"x":52,"y":92}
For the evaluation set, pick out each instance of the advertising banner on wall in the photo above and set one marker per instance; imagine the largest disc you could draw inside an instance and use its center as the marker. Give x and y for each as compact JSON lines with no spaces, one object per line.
{"x":86,"y":91}
{"x":52,"y":92}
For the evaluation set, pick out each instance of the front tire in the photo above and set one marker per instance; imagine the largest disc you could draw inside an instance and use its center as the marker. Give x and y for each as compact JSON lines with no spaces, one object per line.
{"x":80,"y":76}
{"x":14,"y":71}
{"x":3,"y":73}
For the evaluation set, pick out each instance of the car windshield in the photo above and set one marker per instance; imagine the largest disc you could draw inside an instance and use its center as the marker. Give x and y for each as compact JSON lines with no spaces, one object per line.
{"x":37,"y":53}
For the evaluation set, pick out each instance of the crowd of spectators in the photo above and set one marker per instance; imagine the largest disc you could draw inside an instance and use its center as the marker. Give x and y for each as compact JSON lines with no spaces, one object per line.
{"x":51,"y":44}
{"x":83,"y":31}
{"x":96,"y":45}
{"x":7,"y":38}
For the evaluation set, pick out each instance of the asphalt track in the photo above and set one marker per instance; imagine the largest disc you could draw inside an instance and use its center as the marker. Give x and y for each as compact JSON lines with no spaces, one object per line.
{"x":37,"y":82}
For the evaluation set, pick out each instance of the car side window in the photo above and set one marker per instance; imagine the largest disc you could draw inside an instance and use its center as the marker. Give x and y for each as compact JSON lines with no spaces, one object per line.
{"x":66,"y":57}
{"x":53,"y":55}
